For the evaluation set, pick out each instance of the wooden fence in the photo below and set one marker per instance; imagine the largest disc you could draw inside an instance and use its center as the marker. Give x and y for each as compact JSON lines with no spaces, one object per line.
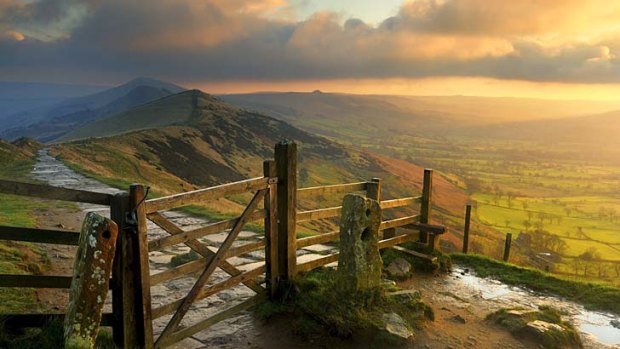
{"x":46,"y":236}
{"x":277,"y":190}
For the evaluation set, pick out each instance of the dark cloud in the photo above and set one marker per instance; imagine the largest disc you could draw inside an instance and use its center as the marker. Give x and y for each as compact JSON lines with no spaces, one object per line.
{"x":242,"y":39}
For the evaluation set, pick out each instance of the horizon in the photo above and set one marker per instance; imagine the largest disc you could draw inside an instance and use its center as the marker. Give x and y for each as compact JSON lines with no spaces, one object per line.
{"x":396,"y":47}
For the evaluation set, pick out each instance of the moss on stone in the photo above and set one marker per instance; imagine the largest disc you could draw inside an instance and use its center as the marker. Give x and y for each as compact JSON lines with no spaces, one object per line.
{"x":317,"y":307}
{"x":523,"y":323}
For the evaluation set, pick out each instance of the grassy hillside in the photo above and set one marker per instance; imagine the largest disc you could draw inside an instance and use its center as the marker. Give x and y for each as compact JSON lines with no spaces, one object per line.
{"x":212,"y":142}
{"x":356,"y":116}
{"x":16,"y":257}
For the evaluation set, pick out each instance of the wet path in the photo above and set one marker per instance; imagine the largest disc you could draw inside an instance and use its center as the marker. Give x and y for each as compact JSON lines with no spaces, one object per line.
{"x":466,"y":295}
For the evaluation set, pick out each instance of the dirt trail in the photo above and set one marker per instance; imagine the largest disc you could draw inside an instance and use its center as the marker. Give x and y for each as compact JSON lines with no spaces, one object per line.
{"x":461,"y":301}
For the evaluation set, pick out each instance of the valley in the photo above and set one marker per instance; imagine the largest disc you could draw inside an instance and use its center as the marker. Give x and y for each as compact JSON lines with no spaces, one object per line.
{"x":537,"y":177}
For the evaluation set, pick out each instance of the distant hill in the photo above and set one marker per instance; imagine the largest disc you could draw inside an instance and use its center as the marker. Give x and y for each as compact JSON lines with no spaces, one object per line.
{"x":349,"y":115}
{"x":599,"y":129}
{"x":191,"y":140}
{"x":18,"y":97}
{"x":50,"y":123}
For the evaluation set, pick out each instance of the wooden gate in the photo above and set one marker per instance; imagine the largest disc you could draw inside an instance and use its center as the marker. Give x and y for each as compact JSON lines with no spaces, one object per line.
{"x":277,"y":191}
{"x":264,"y":190}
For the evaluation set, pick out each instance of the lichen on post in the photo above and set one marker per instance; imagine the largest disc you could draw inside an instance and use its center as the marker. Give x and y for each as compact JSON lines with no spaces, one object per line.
{"x":359,"y":262}
{"x":91,"y":275}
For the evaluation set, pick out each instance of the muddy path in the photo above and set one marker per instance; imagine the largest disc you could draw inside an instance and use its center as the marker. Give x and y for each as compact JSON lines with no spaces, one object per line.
{"x":461,"y":300}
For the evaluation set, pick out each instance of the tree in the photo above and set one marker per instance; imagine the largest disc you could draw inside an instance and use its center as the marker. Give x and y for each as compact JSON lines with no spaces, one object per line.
{"x":527,"y":224}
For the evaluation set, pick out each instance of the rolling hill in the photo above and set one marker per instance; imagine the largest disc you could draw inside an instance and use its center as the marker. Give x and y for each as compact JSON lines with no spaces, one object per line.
{"x":191,"y":140}
{"x":18,"y":97}
{"x":49,"y":123}
{"x":338,"y":115}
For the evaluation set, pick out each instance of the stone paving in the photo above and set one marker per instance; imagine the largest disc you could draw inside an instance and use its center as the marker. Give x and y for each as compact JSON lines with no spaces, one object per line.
{"x":50,"y":170}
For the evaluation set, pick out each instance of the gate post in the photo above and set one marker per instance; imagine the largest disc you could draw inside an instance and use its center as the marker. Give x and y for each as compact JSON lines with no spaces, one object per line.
{"x":118,"y":210}
{"x":286,"y":170}
{"x":271,"y":230}
{"x":425,"y":207}
{"x":136,"y":288}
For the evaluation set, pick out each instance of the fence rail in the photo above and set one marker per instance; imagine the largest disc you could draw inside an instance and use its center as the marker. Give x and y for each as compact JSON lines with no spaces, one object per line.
{"x":197,"y":196}
{"x":54,"y":193}
{"x":304,"y":193}
{"x":45,"y":236}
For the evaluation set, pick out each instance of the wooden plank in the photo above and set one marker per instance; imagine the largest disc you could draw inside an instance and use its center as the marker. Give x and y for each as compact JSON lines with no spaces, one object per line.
{"x":18,"y":321}
{"x":212,"y":193}
{"x":321,"y":213}
{"x":202,"y":279}
{"x":318,"y":239}
{"x":211,"y":290}
{"x":466,"y":229}
{"x":199,"y":248}
{"x":429,"y":258}
{"x":426,"y":204}
{"x":318,"y":262}
{"x":203,"y":325}
{"x":53,"y":193}
{"x":198,"y":265}
{"x":286,"y":168}
{"x":408,"y":201}
{"x":91,"y":276}
{"x":214,"y":228}
{"x":35,"y":281}
{"x":397,"y":240}
{"x":44,"y":236}
{"x":310,"y":192}
{"x":432,"y":229}
{"x":271,"y":231}
{"x":118,"y":208}
{"x":398,"y":222}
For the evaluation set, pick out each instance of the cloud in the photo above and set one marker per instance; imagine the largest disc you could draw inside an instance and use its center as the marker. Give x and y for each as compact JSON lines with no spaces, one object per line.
{"x":215,"y":40}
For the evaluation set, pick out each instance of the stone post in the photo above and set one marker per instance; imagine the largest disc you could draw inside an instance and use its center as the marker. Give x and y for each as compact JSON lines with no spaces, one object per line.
{"x":359,"y":262}
{"x":91,"y":276}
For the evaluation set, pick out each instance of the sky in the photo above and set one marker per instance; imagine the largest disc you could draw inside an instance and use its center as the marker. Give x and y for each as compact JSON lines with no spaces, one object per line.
{"x":566,"y":49}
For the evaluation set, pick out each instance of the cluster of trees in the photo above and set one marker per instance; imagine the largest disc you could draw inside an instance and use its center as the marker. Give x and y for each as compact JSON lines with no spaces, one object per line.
{"x":543,"y":241}
{"x":591,"y":264}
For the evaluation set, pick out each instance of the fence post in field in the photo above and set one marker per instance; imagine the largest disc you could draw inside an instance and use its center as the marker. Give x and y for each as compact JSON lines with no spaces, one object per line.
{"x":137,"y":319}
{"x":119,"y":205}
{"x":89,"y":287}
{"x":271,"y":230}
{"x":507,"y":247}
{"x":425,"y":207}
{"x":466,"y":230}
{"x":373,"y":191}
{"x":286,"y":170}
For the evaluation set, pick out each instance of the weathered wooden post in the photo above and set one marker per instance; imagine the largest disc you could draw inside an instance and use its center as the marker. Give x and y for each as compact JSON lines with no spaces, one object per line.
{"x":271,"y":230}
{"x":425,"y":207}
{"x":507,"y":247}
{"x":286,"y":170}
{"x":359,"y":261}
{"x":89,"y":287}
{"x":466,"y":230}
{"x":118,"y":210}
{"x":136,"y":289}
{"x":373,"y":191}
